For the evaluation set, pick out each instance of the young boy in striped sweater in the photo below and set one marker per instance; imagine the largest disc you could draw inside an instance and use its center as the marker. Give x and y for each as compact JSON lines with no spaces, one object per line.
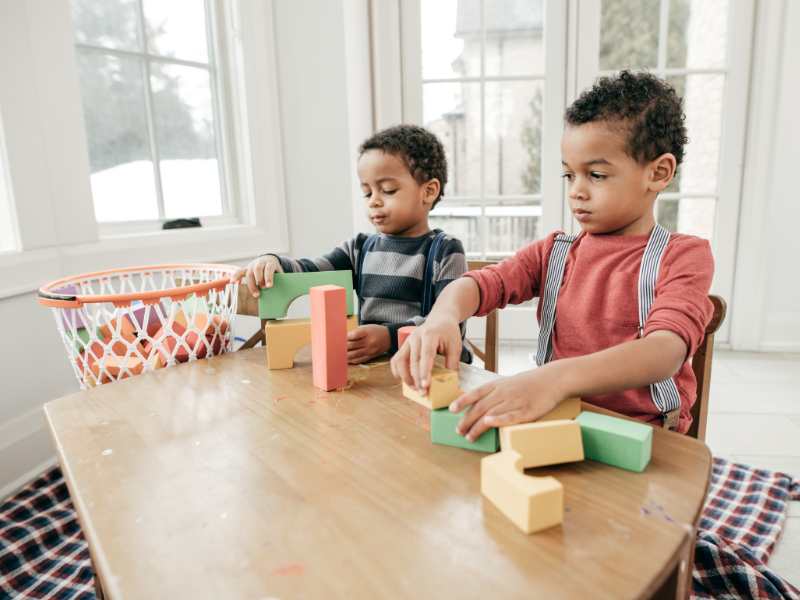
{"x":632,"y":298}
{"x":399,"y":271}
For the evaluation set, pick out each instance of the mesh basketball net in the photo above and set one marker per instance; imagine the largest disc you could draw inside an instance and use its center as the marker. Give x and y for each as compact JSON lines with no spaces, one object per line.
{"x":124,"y":322}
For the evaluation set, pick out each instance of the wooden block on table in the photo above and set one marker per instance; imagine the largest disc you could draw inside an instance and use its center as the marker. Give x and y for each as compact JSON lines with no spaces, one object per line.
{"x":442,"y":391}
{"x":403,"y":333}
{"x":568,"y":409}
{"x":543,"y":443}
{"x":531,"y":503}
{"x":329,"y":336}
{"x":617,"y":442}
{"x":274,"y":302}
{"x":285,"y":337}
{"x":443,"y":431}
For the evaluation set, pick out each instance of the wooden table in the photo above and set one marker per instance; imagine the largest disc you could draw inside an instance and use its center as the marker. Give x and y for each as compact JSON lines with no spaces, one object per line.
{"x":222,"y":479}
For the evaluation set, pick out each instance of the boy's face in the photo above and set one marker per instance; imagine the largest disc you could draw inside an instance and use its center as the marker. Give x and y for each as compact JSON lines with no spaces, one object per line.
{"x":396,"y":203}
{"x":610,"y":192}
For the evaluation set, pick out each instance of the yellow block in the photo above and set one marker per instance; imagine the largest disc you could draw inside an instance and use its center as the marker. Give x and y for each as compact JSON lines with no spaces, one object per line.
{"x":443,"y":390}
{"x":284,"y":337}
{"x":568,"y":409}
{"x":543,"y":443}
{"x":531,"y":503}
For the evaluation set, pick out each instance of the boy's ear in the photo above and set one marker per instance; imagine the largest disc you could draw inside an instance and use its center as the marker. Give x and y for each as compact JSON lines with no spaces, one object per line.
{"x":431,"y":190}
{"x":662,"y":170}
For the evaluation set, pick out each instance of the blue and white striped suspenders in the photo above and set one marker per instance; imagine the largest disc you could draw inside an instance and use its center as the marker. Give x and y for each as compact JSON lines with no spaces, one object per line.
{"x":664,"y":393}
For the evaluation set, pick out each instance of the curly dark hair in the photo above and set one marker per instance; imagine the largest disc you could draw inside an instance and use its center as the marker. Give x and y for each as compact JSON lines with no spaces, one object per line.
{"x":421,"y":151}
{"x":645,"y":105}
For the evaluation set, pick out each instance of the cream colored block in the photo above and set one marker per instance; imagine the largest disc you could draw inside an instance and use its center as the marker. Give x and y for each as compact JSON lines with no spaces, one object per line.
{"x":568,"y":409}
{"x":284,"y":337}
{"x":443,"y":389}
{"x":531,"y":503}
{"x":543,"y":443}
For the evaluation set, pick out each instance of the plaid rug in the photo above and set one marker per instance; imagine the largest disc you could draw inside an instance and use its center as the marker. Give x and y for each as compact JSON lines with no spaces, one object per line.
{"x":741,"y":521}
{"x":44,"y":555}
{"x":42,"y":551}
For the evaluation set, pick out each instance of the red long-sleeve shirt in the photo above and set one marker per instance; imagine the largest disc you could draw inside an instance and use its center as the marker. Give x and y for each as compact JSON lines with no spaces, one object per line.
{"x":598,"y":303}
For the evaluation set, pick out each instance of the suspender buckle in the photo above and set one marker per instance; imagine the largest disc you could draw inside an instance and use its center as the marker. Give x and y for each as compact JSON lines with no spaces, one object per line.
{"x":671,"y":419}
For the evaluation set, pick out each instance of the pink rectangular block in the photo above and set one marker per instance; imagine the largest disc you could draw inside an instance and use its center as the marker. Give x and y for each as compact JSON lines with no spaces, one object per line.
{"x":403,"y":333}
{"x":328,"y":336}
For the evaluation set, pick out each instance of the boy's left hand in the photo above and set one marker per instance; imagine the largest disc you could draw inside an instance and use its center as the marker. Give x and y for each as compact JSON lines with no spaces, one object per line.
{"x":367,"y":341}
{"x":510,"y":400}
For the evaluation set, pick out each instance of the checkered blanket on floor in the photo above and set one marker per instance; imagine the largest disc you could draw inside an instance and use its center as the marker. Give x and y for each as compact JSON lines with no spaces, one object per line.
{"x":44,"y":555}
{"x":741,"y":521}
{"x":42,"y":550}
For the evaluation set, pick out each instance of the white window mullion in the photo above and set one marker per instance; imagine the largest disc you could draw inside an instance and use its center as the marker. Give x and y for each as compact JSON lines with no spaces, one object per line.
{"x":148,"y":107}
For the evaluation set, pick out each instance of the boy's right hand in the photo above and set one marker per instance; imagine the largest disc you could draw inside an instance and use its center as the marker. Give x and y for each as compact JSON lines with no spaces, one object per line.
{"x":413,"y":363}
{"x":259,"y":273}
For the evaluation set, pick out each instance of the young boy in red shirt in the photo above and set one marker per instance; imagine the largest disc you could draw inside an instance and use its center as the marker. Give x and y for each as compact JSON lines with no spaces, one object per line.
{"x":632,"y":299}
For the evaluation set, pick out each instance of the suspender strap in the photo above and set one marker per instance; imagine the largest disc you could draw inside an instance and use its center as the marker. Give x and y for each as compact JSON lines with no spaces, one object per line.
{"x":664,"y":393}
{"x":555,"y":273}
{"x":367,"y":246}
{"x":430,"y":263}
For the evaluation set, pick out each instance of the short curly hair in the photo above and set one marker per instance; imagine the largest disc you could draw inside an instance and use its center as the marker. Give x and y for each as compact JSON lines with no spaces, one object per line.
{"x":648,"y":107}
{"x":421,"y":151}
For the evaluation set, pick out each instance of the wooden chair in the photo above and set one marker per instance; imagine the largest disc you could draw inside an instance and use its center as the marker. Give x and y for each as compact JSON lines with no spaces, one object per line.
{"x":701,"y":365}
{"x":248,"y":306}
{"x":489,"y":354}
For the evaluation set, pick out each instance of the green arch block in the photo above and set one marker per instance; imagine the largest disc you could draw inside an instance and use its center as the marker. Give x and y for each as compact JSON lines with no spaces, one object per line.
{"x":274,"y":302}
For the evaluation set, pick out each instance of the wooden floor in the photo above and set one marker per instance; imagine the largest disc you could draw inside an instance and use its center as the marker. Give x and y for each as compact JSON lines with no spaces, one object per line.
{"x":754,"y":418}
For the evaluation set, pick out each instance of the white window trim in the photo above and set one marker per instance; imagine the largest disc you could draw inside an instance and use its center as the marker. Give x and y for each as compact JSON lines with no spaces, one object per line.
{"x":48,"y":157}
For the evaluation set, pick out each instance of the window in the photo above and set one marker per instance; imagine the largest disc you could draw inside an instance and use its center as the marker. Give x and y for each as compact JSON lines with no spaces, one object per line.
{"x":482,"y":94}
{"x":8,"y":237}
{"x":683,"y":41}
{"x":149,"y":81}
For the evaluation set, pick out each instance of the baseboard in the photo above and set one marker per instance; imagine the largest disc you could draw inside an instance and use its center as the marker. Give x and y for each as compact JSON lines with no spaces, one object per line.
{"x":20,"y":482}
{"x":792,"y":347}
{"x":13,"y":432}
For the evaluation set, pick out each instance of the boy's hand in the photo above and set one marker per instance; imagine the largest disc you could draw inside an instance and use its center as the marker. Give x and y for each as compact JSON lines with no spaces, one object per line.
{"x":519,"y":399}
{"x":413,"y":363}
{"x":259,"y":273}
{"x":367,"y":341}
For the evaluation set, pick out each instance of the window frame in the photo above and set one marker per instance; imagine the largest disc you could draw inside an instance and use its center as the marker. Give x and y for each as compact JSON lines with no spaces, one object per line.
{"x":48,"y":153}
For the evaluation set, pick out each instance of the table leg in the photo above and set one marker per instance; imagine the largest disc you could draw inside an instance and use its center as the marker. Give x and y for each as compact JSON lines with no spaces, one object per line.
{"x":678,"y":584}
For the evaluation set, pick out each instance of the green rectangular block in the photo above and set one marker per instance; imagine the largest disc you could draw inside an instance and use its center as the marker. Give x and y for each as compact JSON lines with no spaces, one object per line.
{"x":274,"y":302}
{"x":443,"y":431}
{"x":616,"y":442}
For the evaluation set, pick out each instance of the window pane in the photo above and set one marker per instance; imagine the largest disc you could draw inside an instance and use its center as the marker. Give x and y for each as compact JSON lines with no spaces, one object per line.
{"x":694,"y":216}
{"x":461,"y":222}
{"x":184,"y":123}
{"x":697,"y":33}
{"x":514,"y":40}
{"x":113,"y":97}
{"x":629,"y":34}
{"x":453,"y":112}
{"x":511,"y":228}
{"x":702,"y":99}
{"x":443,"y":43}
{"x":513,"y":137}
{"x":107,"y":23}
{"x":177,"y":28}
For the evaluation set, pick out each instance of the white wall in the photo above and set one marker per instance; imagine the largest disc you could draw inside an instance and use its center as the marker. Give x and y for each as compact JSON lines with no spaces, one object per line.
{"x":323,"y":115}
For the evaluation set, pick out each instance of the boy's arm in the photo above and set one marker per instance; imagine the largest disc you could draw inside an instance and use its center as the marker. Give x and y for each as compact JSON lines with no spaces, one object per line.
{"x":341,"y":258}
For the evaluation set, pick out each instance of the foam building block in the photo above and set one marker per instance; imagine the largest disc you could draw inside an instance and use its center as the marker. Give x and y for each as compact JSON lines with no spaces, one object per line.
{"x":442,"y":391}
{"x":328,"y":336}
{"x":568,"y":409}
{"x":543,"y":443}
{"x":286,"y":336}
{"x":531,"y":503}
{"x":122,"y":331}
{"x":443,"y":431}
{"x":403,"y":333}
{"x":617,"y":442}
{"x":274,"y":302}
